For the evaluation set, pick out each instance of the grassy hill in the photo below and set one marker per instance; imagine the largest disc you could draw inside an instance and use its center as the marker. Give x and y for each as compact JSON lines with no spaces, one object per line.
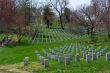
{"x":11,"y":56}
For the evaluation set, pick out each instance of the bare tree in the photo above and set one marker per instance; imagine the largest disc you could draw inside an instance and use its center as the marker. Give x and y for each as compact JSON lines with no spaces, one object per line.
{"x":92,"y":14}
{"x":105,"y":16}
{"x":37,"y":12}
{"x":109,"y":18}
{"x":81,"y":21}
{"x":59,"y":6}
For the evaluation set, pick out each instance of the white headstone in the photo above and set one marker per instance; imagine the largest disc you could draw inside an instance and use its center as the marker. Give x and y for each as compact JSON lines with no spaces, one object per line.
{"x":88,"y":58}
{"x":26,"y":61}
{"x":60,"y":59}
{"x":98,"y":55}
{"x":77,"y":57}
{"x":101,"y":53}
{"x":94,"y":56}
{"x":61,"y":50}
{"x":46,"y":63}
{"x":108,"y":56}
{"x":40,"y":57}
{"x":42,"y":60}
{"x":71,"y":56}
{"x":36,"y":52}
{"x":56,"y":57}
{"x":67,"y":60}
{"x":84,"y":55}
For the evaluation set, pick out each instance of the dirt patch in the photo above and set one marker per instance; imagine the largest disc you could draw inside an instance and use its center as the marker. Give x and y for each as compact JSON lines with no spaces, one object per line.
{"x":19,"y":68}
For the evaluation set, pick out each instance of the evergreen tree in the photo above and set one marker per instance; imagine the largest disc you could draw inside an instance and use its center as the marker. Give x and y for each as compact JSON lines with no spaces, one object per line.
{"x":48,"y":16}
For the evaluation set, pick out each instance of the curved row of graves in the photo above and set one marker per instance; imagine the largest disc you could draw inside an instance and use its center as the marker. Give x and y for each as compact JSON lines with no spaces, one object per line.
{"x":73,"y":52}
{"x":53,"y":35}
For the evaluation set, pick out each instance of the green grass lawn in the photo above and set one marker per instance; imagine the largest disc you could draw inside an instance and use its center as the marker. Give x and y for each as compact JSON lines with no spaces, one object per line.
{"x":14,"y":54}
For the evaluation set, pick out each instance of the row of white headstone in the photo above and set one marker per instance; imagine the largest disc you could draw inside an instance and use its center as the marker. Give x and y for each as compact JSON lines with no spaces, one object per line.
{"x":89,"y":55}
{"x":53,"y":55}
{"x":94,"y":54}
{"x":67,"y":53}
{"x":42,"y":59}
{"x":59,"y":56}
{"x":58,"y":36}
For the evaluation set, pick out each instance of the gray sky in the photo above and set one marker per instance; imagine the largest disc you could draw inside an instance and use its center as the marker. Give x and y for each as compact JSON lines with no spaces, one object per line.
{"x":74,"y":4}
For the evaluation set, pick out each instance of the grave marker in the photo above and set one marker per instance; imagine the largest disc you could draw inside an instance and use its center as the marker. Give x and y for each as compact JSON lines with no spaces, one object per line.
{"x":67,"y":60}
{"x":108,"y":56}
{"x":77,"y":57}
{"x":94,"y":56}
{"x":60,"y":59}
{"x":46,"y":63}
{"x":26,"y":61}
{"x":88,"y":58}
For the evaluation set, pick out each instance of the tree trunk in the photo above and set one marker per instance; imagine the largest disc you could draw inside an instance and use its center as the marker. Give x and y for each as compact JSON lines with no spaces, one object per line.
{"x":109,"y":20}
{"x":19,"y":38}
{"x":88,"y":31}
{"x":92,"y":34}
{"x":48,"y":24}
{"x":109,"y":35}
{"x":108,"y":30}
{"x":34,"y":35}
{"x":61,"y":22}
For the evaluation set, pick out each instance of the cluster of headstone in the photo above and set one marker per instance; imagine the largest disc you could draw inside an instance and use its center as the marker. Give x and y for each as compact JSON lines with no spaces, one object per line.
{"x":53,"y":35}
{"x":42,"y":59}
{"x":68,"y":53}
{"x":52,"y":55}
{"x":93,"y":54}
{"x":76,"y":52}
{"x":61,"y":55}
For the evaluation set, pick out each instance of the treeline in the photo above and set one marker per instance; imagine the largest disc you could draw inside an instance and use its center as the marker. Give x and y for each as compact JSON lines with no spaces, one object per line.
{"x":87,"y":19}
{"x":17,"y":16}
{"x":24,"y":17}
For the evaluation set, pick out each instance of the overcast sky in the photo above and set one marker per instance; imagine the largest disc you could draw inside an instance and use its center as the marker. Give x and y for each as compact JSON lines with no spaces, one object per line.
{"x":74,"y":4}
